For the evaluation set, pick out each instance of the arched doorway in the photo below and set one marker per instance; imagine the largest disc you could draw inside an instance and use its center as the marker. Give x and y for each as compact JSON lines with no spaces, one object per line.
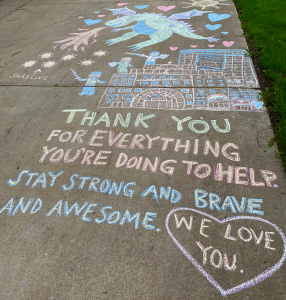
{"x":159,"y":99}
{"x":218,"y":102}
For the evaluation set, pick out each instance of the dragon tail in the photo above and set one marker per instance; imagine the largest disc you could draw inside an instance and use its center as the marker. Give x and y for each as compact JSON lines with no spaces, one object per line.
{"x":212,"y":39}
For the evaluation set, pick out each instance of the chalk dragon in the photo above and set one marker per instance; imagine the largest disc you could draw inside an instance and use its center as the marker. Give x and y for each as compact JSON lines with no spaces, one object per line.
{"x":158,"y":27}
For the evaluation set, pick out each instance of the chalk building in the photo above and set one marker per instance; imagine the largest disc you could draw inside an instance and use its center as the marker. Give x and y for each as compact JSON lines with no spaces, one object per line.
{"x":219,"y":80}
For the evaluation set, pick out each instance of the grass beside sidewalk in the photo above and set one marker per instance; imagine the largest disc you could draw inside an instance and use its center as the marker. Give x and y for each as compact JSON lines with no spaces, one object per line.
{"x":264,"y":24}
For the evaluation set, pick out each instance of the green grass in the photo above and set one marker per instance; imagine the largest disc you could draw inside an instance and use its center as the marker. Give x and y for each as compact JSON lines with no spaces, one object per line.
{"x":264,"y":24}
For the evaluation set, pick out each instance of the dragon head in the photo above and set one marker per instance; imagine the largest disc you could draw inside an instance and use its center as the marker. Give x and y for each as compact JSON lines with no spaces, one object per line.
{"x":119,"y":22}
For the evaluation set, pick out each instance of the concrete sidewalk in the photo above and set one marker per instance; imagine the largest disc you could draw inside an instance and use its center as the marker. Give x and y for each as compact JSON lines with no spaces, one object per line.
{"x":135,"y":157}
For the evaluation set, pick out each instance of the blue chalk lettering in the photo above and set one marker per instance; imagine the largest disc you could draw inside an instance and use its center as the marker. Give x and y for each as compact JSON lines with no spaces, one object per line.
{"x":87,"y":211}
{"x":8,"y":206}
{"x":252,"y":204}
{"x":12,"y":183}
{"x":149,"y":218}
{"x":37,"y":206}
{"x":214,"y":200}
{"x":117,"y":189}
{"x":151,"y":189}
{"x":117,"y":215}
{"x":165,"y":193}
{"x":102,"y":210}
{"x":176,"y":196}
{"x":241,"y":207}
{"x":129,"y":193}
{"x":65,"y":188}
{"x":31,"y":175}
{"x":41,"y":179}
{"x":128,"y":217}
{"x":54,"y":177}
{"x":83,"y":180}
{"x":228,"y":203}
{"x":105,"y":186}
{"x":75,"y":206}
{"x":21,"y":205}
{"x":199,"y":197}
{"x":57,"y":207}
{"x":93,"y":183}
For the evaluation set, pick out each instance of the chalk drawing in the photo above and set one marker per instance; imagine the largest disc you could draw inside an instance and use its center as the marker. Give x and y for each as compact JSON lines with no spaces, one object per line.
{"x":213,"y":74}
{"x":193,"y":46}
{"x":122,"y":65}
{"x":79,"y":38}
{"x":100,"y":53}
{"x":259,"y":278}
{"x":173,"y":48}
{"x":166,"y":8}
{"x":159,"y":28}
{"x":203,"y":4}
{"x":86,"y":62}
{"x":90,"y":22}
{"x":141,"y":6}
{"x":213,"y":27}
{"x":121,"y":4}
{"x":216,"y":17}
{"x":151,"y":58}
{"x":46,"y":55}
{"x":68,"y":57}
{"x":228,"y":44}
{"x":29,"y":64}
{"x":91,"y":82}
{"x":48,"y":64}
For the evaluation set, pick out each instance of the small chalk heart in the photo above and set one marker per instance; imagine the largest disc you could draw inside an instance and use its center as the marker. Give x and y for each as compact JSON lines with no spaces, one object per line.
{"x":121,"y":4}
{"x":173,"y":48}
{"x":216,"y":17}
{"x":224,"y":32}
{"x":194,"y":46}
{"x":141,"y":6}
{"x":100,"y":16}
{"x":91,"y":22}
{"x":211,"y":46}
{"x":213,"y":27}
{"x":166,"y":8}
{"x":80,"y":17}
{"x":257,"y":104}
{"x":228,"y":44}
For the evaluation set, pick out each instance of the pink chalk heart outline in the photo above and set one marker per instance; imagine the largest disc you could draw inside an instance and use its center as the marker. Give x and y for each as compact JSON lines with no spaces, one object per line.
{"x":251,"y":282}
{"x":173,"y":48}
{"x":194,"y":46}
{"x":121,"y":4}
{"x":166,"y":8}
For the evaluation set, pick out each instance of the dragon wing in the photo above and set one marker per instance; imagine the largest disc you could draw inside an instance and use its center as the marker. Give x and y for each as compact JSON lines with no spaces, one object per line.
{"x":187,"y":14}
{"x":123,"y":11}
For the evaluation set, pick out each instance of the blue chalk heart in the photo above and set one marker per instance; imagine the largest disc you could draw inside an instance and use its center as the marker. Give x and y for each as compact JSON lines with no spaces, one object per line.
{"x":224,"y":32}
{"x":258,"y":105}
{"x":216,"y":17}
{"x":144,"y":82}
{"x":141,"y":6}
{"x":107,"y":101}
{"x":128,"y":100}
{"x":91,"y":22}
{"x":189,"y":102}
{"x":96,"y":12}
{"x":213,"y":27}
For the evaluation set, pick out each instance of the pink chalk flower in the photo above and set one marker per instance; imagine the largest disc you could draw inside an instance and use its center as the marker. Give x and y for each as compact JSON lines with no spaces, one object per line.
{"x":29,"y":64}
{"x":48,"y":64}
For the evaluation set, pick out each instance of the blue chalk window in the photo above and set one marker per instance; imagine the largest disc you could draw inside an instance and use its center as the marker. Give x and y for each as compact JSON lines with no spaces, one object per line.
{"x":212,"y":91}
{"x":111,"y":90}
{"x":185,"y":90}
